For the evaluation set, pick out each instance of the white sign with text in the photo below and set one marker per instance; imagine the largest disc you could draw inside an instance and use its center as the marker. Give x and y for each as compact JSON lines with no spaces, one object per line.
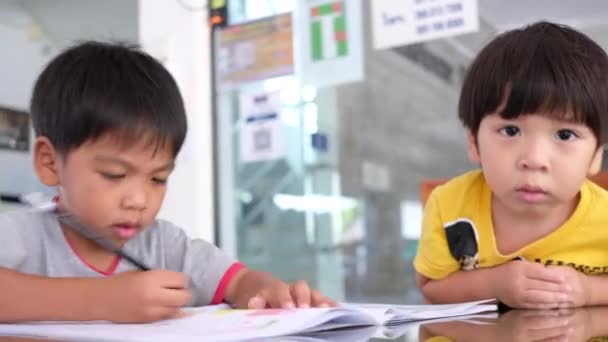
{"x":262,"y":128}
{"x":402,"y":22}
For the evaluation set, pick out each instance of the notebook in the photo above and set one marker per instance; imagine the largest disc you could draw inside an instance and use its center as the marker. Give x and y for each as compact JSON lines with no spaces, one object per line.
{"x":220,"y":323}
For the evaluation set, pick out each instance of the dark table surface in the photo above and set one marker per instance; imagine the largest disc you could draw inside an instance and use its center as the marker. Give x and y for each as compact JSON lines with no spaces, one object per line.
{"x":583,"y":324}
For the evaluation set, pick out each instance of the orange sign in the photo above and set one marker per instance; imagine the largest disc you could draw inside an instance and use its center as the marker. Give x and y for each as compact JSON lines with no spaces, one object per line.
{"x":256,"y":50}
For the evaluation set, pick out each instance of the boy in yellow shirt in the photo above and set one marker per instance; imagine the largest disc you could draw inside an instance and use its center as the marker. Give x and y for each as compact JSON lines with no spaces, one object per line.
{"x":528,"y":228}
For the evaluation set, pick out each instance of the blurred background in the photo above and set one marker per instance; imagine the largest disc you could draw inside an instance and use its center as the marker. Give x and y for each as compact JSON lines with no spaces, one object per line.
{"x":313,"y":124}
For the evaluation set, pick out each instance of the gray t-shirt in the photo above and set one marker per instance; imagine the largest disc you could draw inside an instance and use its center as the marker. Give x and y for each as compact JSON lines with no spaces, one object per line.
{"x":33,"y":242}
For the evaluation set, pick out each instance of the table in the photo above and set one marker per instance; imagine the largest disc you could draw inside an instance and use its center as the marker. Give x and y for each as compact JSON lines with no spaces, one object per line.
{"x":583,"y":324}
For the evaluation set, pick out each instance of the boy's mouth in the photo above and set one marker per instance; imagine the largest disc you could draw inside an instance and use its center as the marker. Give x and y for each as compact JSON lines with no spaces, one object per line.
{"x":531,"y":194}
{"x":125,"y":231}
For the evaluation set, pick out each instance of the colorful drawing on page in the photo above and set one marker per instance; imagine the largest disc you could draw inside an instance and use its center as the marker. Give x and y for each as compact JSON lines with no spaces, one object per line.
{"x":268,"y":312}
{"x":249,"y":312}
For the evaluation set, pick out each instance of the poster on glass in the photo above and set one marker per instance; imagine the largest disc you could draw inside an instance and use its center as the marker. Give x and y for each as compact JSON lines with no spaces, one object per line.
{"x":14,"y":130}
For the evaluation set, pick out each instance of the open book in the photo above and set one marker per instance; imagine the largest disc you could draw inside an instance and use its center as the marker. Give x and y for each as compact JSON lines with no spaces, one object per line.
{"x":220,"y":323}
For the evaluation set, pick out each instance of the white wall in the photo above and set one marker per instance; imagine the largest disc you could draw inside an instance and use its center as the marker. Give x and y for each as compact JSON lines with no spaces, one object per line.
{"x":180,"y":38}
{"x":22,"y":58}
{"x":32,"y":32}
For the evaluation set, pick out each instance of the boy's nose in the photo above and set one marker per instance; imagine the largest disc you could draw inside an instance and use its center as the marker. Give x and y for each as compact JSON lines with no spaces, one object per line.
{"x":135,"y":200}
{"x":534,"y":156}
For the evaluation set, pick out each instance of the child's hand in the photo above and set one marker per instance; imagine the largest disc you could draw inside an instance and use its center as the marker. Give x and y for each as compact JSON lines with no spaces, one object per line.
{"x":278,"y":294}
{"x":142,"y":296}
{"x":576,"y":283}
{"x":257,"y":290}
{"x":522,"y":284}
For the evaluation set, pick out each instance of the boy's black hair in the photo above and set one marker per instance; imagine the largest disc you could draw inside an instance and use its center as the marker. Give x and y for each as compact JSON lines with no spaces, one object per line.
{"x":542,"y":68}
{"x":96,"y":88}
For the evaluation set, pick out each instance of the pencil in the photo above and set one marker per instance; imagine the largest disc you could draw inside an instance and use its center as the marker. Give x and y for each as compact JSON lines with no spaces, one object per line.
{"x":89,"y":234}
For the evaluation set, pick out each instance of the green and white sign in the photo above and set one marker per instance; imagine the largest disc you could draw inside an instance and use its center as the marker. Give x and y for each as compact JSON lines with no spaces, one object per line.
{"x":328,"y":41}
{"x":328,"y":31}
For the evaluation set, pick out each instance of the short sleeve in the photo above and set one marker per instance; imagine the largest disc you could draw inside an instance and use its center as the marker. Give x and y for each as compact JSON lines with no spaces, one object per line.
{"x":14,"y":229}
{"x":209,"y":268}
{"x":433,"y":259}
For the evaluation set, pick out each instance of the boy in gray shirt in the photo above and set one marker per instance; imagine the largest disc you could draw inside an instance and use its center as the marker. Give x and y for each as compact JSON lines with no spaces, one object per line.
{"x":109,"y":122}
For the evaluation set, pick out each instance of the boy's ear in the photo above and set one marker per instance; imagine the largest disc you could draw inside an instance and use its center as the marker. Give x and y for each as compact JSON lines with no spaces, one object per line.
{"x":596,"y":162}
{"x":472,"y":149}
{"x":46,"y":161}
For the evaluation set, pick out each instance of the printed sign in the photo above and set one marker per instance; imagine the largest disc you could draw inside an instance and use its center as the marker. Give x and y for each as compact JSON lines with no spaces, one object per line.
{"x":14,"y":130}
{"x":262,"y":128}
{"x":329,"y":50}
{"x":401,"y":22}
{"x":256,"y":50}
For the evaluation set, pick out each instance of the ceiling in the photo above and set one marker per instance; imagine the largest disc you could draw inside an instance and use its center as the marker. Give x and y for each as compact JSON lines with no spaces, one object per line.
{"x":589,"y":16}
{"x":581,"y":14}
{"x":64,"y":21}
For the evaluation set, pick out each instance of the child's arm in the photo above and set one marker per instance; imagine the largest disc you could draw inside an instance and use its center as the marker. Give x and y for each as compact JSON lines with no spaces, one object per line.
{"x":26,"y":297}
{"x":254,"y":289}
{"x":518,"y":284}
{"x":127,"y":297}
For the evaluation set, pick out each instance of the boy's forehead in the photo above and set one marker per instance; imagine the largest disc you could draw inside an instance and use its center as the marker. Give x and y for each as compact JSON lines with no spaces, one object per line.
{"x":117,"y":144}
{"x":547,"y":107}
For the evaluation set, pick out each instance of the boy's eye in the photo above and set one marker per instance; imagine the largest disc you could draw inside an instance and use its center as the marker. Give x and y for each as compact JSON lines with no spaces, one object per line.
{"x":112,"y":176}
{"x":158,"y":180}
{"x":566,"y":134}
{"x":509,"y":131}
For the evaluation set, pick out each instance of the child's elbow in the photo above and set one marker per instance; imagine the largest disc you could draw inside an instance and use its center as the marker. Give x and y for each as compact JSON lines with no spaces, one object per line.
{"x":425,"y":286}
{"x":428,"y":296}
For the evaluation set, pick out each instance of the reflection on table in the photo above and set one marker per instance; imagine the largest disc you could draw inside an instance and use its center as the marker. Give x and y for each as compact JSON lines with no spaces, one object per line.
{"x":583,"y":324}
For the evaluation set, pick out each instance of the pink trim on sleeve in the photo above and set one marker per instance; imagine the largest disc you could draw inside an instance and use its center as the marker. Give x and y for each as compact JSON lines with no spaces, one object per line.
{"x":218,"y":297}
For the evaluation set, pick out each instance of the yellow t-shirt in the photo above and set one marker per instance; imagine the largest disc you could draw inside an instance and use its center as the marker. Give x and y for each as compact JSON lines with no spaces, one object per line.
{"x":458,"y":234}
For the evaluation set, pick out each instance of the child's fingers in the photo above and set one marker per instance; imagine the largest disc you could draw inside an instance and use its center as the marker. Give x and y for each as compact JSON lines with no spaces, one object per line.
{"x":278,"y":296}
{"x":543,"y":285}
{"x":301,"y":294}
{"x":282,"y":298}
{"x":319,"y":300}
{"x":174,"y":297}
{"x":553,"y":299}
{"x":257,"y":302}
{"x":540,"y":272}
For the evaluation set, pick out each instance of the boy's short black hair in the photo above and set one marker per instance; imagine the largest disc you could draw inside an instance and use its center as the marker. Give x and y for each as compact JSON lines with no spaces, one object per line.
{"x":542,"y":68}
{"x":96,"y":88}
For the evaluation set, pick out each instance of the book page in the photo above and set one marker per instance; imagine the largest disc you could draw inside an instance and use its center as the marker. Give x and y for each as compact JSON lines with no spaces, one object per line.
{"x":219,"y":323}
{"x":404,"y":313}
{"x":205,"y":323}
